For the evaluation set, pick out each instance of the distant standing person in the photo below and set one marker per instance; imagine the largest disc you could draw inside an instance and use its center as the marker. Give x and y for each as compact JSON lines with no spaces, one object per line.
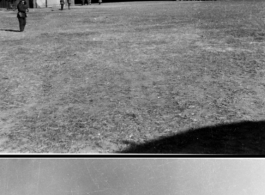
{"x":22,"y":15}
{"x":62,"y":4}
{"x":69,"y":3}
{"x":99,"y":2}
{"x":88,"y":2}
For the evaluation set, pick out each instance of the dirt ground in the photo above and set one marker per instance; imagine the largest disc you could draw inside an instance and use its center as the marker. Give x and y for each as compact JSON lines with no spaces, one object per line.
{"x":94,"y":79}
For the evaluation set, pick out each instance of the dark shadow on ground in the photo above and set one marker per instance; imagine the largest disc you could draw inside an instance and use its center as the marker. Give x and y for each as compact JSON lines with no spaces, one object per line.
{"x":244,"y":138}
{"x":10,"y":30}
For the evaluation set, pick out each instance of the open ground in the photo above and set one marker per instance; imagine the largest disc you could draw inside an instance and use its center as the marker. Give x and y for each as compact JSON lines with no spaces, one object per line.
{"x":97,"y":78}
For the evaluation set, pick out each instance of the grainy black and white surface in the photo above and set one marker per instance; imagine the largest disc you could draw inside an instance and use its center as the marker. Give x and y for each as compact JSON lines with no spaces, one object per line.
{"x":99,"y":79}
{"x":132,"y":176}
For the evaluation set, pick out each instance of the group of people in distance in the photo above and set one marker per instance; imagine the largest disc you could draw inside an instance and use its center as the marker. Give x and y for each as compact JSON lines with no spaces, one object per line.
{"x":22,"y":8}
{"x":88,"y":2}
{"x":68,"y":3}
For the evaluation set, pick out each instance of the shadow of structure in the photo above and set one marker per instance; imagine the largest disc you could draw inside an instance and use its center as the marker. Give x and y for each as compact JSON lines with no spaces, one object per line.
{"x":243,"y":138}
{"x":10,"y":30}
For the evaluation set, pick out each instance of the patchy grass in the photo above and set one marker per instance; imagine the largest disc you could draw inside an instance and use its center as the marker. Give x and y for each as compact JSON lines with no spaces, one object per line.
{"x":90,"y":79}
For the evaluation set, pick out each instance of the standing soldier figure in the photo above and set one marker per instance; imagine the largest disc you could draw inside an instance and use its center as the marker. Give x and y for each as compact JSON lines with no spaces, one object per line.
{"x":62,"y":4}
{"x":89,"y":2}
{"x":69,"y":3}
{"x":99,"y":2}
{"x":8,"y":4}
{"x":21,"y":15}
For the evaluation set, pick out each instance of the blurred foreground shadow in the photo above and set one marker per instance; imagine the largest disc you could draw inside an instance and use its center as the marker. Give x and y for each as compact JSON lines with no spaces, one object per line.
{"x":247,"y":138}
{"x":10,"y":30}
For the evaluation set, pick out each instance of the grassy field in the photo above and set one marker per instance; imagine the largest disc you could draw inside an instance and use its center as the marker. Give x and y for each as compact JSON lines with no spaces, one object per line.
{"x":95,"y":78}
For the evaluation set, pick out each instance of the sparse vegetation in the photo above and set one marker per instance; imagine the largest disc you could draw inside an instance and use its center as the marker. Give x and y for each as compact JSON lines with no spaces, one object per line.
{"x":100,"y":78}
